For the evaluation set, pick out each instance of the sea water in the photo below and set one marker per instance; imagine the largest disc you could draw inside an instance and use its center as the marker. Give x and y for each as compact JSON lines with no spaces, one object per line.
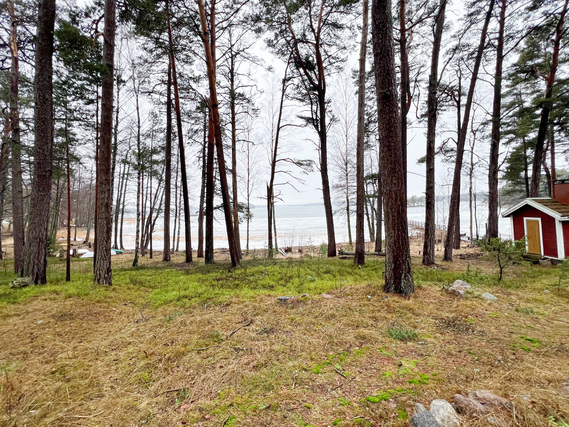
{"x":303,"y":225}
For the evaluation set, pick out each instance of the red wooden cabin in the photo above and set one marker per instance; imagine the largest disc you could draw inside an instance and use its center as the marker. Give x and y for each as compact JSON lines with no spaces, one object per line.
{"x":544,"y":221}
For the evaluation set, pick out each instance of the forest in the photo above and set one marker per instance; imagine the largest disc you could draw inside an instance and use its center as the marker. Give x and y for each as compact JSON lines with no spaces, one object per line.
{"x":132,"y":129}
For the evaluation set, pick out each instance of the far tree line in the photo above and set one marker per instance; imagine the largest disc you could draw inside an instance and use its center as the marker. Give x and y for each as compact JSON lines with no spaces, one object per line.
{"x":165,"y":98}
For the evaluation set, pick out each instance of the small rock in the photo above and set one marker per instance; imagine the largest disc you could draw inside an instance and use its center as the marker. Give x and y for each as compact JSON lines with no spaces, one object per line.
{"x":461,"y":284}
{"x":459,"y":288}
{"x":489,"y":399}
{"x":424,"y":419}
{"x":494,"y":421}
{"x":327,"y":296}
{"x":467,"y":405}
{"x":565,"y":390}
{"x":418,"y":408}
{"x":488,"y":296}
{"x":444,"y":413}
{"x":283,"y":299}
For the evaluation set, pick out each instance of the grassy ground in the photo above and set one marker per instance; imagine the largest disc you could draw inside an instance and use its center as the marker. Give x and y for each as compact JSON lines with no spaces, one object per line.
{"x":205,"y":345}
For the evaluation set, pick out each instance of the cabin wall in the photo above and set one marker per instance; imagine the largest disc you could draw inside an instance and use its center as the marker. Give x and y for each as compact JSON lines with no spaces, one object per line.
{"x":548,"y":229}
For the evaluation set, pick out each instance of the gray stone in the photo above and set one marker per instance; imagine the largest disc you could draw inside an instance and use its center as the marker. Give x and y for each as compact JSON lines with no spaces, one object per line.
{"x":444,"y":413}
{"x":489,"y":399}
{"x":461,"y":284}
{"x":283,"y":299}
{"x":424,"y":419}
{"x":488,"y":296}
{"x":459,"y":288}
{"x":419,"y":408}
{"x":467,"y":405}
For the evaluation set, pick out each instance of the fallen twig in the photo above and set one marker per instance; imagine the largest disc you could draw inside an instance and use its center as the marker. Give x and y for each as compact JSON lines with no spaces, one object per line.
{"x":205,"y":348}
{"x":239,"y":328}
{"x":172,"y":390}
{"x":343,"y":384}
{"x":340,"y":373}
{"x":86,"y":416}
{"x":225,"y":420}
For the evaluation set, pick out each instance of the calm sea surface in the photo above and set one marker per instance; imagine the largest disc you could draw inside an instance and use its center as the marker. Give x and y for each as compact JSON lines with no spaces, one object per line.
{"x":305,"y":224}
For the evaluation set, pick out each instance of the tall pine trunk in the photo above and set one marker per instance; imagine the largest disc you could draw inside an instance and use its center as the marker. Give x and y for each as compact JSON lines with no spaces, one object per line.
{"x":181,"y":148}
{"x":274,"y":160}
{"x":495,"y":133}
{"x":210,"y":191}
{"x":452,"y":228}
{"x":432,"y":107}
{"x":168,"y":167}
{"x":398,"y":275}
{"x":16,"y":148}
{"x":200,"y":253}
{"x":233,"y":116}
{"x":4,"y":153}
{"x":359,"y":257}
{"x":35,"y":249}
{"x":214,"y":106}
{"x":104,"y":226}
{"x":547,"y":105}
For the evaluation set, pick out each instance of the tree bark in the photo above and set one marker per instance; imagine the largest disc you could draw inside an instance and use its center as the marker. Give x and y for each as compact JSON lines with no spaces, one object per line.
{"x":35,"y":249}
{"x":359,"y":257}
{"x":138,"y":172}
{"x":432,"y":112}
{"x":495,"y":133}
{"x":455,"y":195}
{"x":181,"y":149}
{"x":547,"y":105}
{"x":104,"y":226}
{"x":202,"y":187}
{"x":379,"y":215}
{"x":4,"y":154}
{"x":405,"y":91}
{"x":398,"y":275}
{"x":233,"y":250}
{"x":233,"y":114}
{"x":68,"y":170}
{"x":168,"y":168}
{"x":210,"y":192}
{"x":15,"y":145}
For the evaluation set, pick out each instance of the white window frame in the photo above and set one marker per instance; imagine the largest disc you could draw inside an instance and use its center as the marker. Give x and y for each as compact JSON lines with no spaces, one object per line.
{"x":560,"y":239}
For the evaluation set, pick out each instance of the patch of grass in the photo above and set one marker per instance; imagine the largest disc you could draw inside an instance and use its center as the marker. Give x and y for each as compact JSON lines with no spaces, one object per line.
{"x":525,"y":310}
{"x":343,"y":402}
{"x":400,"y":332}
{"x":534,"y":341}
{"x":386,"y":395}
{"x":421,"y":379}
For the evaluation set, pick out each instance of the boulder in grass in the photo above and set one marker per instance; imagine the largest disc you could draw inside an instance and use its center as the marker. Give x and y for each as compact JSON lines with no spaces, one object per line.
{"x":467,"y":405}
{"x":490,"y":400}
{"x":459,"y":288}
{"x":488,"y":296}
{"x":424,"y":419}
{"x":444,"y":413}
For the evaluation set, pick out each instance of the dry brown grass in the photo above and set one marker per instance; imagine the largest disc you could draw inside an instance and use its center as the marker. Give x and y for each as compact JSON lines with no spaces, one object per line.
{"x":316,"y":360}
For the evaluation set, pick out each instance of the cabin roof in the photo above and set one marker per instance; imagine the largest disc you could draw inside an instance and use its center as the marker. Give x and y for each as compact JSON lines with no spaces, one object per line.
{"x":547,"y":205}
